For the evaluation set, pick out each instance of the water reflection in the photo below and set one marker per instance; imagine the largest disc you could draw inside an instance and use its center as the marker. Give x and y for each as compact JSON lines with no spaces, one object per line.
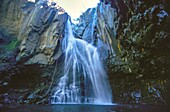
{"x":83,"y":108}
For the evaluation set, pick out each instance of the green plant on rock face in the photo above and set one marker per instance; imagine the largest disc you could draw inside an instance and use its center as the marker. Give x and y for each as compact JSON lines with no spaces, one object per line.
{"x":143,"y":44}
{"x":12,"y":45}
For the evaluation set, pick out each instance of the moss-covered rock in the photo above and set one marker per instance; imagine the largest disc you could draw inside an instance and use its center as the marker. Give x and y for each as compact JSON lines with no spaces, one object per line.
{"x":143,"y":57}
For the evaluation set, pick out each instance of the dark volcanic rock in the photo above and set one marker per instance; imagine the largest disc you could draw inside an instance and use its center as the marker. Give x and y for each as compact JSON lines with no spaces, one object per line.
{"x":11,"y":16}
{"x":40,"y":34}
{"x":86,"y":26}
{"x":25,"y":60}
{"x":142,"y":44}
{"x":98,"y":26}
{"x":131,"y":36}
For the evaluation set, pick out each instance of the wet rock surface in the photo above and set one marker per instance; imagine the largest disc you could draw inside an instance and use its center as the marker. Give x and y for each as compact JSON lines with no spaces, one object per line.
{"x":141,"y":51}
{"x":41,"y":33}
{"x":11,"y":16}
{"x":131,"y":36}
{"x":30,"y":42}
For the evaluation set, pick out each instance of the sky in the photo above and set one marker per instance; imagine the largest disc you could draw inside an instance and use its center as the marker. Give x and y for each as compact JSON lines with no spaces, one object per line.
{"x":75,"y":7}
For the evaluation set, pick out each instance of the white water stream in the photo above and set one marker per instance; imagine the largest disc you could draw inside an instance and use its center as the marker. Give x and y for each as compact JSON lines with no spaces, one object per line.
{"x":84,"y":79}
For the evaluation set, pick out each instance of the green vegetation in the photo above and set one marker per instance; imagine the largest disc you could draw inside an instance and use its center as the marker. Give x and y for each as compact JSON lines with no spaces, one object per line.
{"x":12,"y":45}
{"x":143,"y":63}
{"x":143,"y":43}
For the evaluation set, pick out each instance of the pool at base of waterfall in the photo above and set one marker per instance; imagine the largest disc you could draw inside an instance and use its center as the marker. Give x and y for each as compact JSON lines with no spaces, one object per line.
{"x":83,"y":108}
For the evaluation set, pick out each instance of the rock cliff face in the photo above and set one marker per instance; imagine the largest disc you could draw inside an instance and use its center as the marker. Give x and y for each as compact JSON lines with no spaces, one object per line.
{"x":31,"y":35}
{"x":98,"y":26}
{"x":11,"y":16}
{"x":142,"y":42}
{"x":38,"y":27}
{"x":107,"y":24}
{"x":85,"y":29}
{"x":134,"y":34}
{"x":41,"y":32}
{"x":142,"y":37}
{"x":131,"y":37}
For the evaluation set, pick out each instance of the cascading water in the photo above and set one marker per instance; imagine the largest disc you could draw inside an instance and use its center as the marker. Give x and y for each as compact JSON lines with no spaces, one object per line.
{"x":84,"y":79}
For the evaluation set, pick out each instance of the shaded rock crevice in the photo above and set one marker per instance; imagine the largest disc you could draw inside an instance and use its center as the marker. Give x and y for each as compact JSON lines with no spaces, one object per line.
{"x":10,"y":16}
{"x":131,"y":37}
{"x":141,"y":32}
{"x":43,"y":27}
{"x":32,"y":46}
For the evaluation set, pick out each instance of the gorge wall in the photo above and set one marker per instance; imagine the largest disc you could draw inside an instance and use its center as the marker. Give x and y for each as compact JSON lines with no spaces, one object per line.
{"x":31,"y":35}
{"x":142,"y":58}
{"x":131,"y":37}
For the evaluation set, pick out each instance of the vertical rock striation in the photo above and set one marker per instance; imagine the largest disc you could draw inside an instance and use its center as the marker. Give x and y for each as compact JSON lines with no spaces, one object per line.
{"x":41,"y":32}
{"x":142,"y":35}
{"x":11,"y":16}
{"x":133,"y":36}
{"x":31,"y":35}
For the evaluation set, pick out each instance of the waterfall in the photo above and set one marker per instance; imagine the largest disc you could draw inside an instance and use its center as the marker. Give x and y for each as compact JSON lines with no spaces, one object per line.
{"x":84,"y":79}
